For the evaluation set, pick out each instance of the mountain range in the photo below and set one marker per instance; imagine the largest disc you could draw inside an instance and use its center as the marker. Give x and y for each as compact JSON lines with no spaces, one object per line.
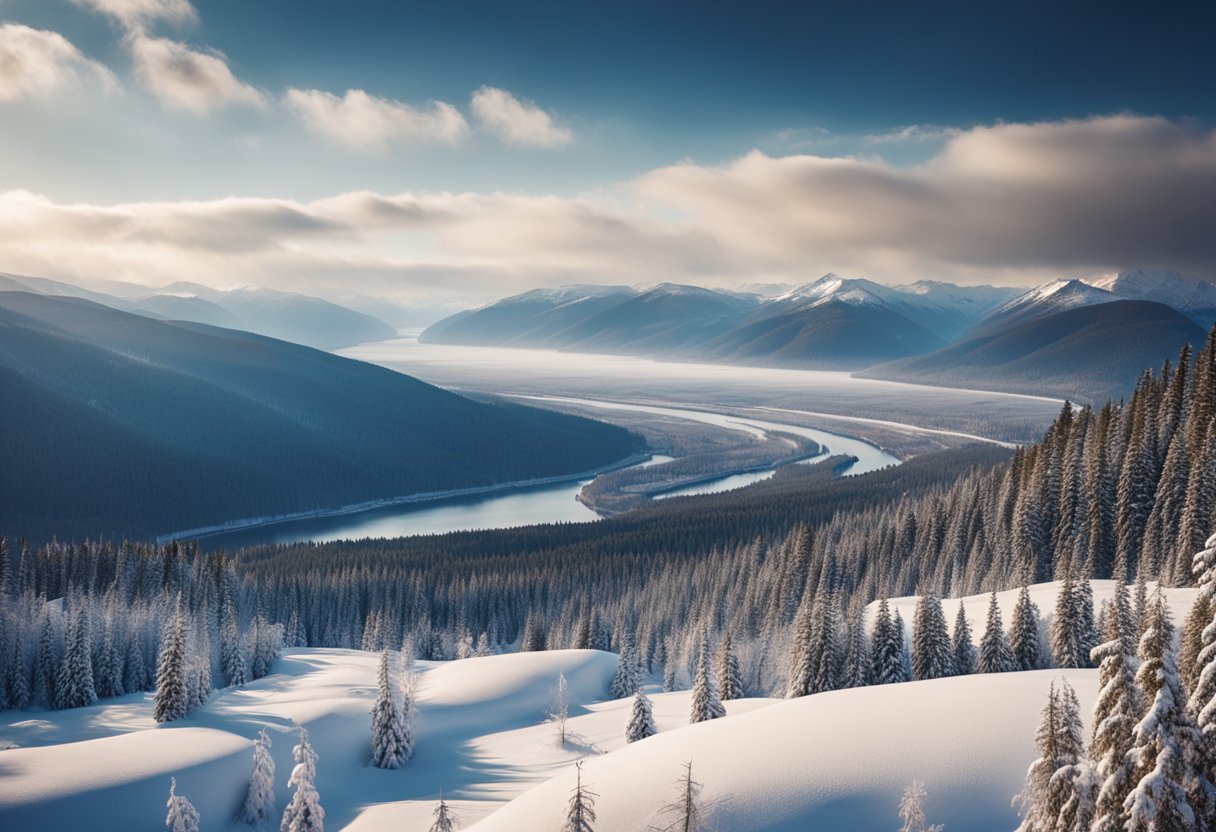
{"x":290,"y":316}
{"x":1027,"y":341}
{"x":120,"y":424}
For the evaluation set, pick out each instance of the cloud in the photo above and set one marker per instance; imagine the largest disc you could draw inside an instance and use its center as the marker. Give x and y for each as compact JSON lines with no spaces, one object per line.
{"x":36,"y":64}
{"x":1004,"y":203}
{"x":186,"y":79}
{"x":364,"y":122}
{"x":136,"y":14}
{"x":517,"y":122}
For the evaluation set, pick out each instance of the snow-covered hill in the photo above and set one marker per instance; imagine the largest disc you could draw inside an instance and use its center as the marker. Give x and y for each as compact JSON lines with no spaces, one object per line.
{"x":832,"y":761}
{"x":1048,"y":299}
{"x":1185,"y":292}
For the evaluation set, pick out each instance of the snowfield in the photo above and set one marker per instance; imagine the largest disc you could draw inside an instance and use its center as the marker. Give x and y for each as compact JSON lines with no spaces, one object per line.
{"x":829,"y":762}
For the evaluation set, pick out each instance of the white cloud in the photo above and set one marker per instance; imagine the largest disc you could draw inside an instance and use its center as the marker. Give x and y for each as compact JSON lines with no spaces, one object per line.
{"x":517,"y":122}
{"x":366,"y":122}
{"x":36,"y":64}
{"x":186,"y":79}
{"x":1008,"y":203}
{"x":136,"y":14}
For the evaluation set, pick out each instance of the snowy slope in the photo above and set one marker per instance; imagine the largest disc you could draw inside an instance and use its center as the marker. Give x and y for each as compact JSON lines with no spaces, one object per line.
{"x":1048,"y":299}
{"x":1185,"y":292}
{"x":827,"y":762}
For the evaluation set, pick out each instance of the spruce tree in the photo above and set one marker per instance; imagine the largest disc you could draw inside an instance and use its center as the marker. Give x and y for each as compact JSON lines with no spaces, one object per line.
{"x":858,"y":663}
{"x":1166,"y":743}
{"x":730,"y":682}
{"x":182,"y":816}
{"x":1038,"y":810}
{"x":1076,"y":782}
{"x":628,"y":674}
{"x":173,"y":695}
{"x":259,"y":800}
{"x":232,"y":656}
{"x":932,"y":654}
{"x":888,"y":647}
{"x":963,"y":647}
{"x":1202,"y":702}
{"x":641,"y":719}
{"x":75,"y":683}
{"x":995,"y":654}
{"x":304,"y":812}
{"x":1116,"y":713}
{"x":705,"y":702}
{"x":1024,"y":639}
{"x":390,"y":746}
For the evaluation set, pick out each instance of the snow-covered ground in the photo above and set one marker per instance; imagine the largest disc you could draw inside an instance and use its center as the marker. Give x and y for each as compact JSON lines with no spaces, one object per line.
{"x":827,"y":762}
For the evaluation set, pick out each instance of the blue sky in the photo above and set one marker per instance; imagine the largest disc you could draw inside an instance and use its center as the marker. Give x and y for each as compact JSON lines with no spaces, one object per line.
{"x":173,"y":103}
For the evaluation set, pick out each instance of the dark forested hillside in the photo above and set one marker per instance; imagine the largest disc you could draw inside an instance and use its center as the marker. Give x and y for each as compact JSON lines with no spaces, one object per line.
{"x":1088,"y":353}
{"x":118,"y":424}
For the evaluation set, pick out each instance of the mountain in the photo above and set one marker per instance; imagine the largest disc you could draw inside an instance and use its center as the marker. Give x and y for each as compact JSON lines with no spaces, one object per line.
{"x":533,"y":319}
{"x":1194,"y":297}
{"x":1045,"y":300}
{"x":831,"y":322}
{"x":667,"y":317}
{"x":292,"y":317}
{"x":120,"y":424}
{"x":1087,"y":353}
{"x":827,"y":334}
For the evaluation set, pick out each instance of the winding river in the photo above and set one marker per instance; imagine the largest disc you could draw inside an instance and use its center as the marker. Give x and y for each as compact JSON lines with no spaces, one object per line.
{"x":551,"y":503}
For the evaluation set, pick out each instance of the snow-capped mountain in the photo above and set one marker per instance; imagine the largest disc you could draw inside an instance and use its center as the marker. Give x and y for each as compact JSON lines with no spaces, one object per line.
{"x":1047,"y":299}
{"x":1187,"y":293}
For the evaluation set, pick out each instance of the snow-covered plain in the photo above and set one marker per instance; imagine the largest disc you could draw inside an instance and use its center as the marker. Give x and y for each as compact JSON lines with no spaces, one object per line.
{"x":828,"y":762}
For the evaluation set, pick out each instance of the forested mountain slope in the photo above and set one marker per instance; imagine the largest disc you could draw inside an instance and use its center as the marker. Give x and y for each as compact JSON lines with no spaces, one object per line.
{"x":1086,"y":352}
{"x":118,"y":424}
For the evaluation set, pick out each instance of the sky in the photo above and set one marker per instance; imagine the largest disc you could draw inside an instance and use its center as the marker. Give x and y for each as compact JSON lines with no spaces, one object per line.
{"x":469,"y":150}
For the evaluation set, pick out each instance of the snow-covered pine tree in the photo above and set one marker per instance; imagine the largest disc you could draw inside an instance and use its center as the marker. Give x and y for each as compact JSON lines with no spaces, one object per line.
{"x":931,"y":649}
{"x":1166,"y":743}
{"x":911,"y":809}
{"x":259,"y":800}
{"x":534,"y":633}
{"x":1116,"y":712}
{"x":389,"y":742}
{"x":304,"y":812}
{"x":803,"y":661}
{"x":173,"y":688}
{"x":74,"y":688}
{"x":671,"y":669}
{"x":1024,"y":638}
{"x":641,"y":719}
{"x":483,"y":645}
{"x":445,"y":819}
{"x":628,"y":674}
{"x":963,"y":647}
{"x":1077,"y":781}
{"x":888,"y":648}
{"x":109,"y":675}
{"x":730,"y":681}
{"x":581,"y":814}
{"x":1066,"y":641}
{"x":559,"y":712}
{"x":182,"y":817}
{"x":1049,"y":786}
{"x":705,"y":702}
{"x":1202,"y":702}
{"x":232,"y":656}
{"x":905,"y":655}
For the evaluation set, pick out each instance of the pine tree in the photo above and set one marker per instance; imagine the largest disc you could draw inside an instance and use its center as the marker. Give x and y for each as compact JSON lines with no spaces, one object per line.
{"x":1076,"y":782}
{"x":858,"y":662}
{"x":259,"y":801}
{"x":232,"y":657}
{"x":628,"y":674}
{"x":1166,"y":742}
{"x":932,"y":656}
{"x":1024,"y":640}
{"x":963,"y":647}
{"x":173,"y":699}
{"x":705,"y":702}
{"x":390,"y":746}
{"x":75,"y":684}
{"x":1051,"y":781}
{"x":304,"y":812}
{"x":995,"y":654}
{"x":888,"y":646}
{"x":182,"y":816}
{"x":641,"y":719}
{"x":730,"y":682}
{"x":581,"y":814}
{"x":803,"y":660}
{"x":445,"y":820}
{"x":534,"y":633}
{"x":911,"y":810}
{"x":1116,"y":713}
{"x":109,"y":676}
{"x":1202,"y":702}
{"x":559,"y":713}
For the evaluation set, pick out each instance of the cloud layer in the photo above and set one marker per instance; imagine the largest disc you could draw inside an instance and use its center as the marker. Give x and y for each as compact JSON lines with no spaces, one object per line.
{"x":1005,"y":203}
{"x":187,"y":79}
{"x":37,"y":64}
